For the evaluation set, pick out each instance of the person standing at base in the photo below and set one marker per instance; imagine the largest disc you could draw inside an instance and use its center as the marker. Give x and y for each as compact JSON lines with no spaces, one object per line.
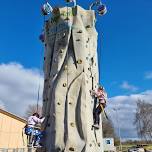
{"x":100,"y":100}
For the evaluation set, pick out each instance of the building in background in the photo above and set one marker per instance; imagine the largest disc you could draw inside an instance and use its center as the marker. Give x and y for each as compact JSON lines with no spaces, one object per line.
{"x":11,"y":127}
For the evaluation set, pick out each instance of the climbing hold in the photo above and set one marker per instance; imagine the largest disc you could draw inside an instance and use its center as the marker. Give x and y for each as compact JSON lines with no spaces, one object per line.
{"x":65,"y":67}
{"x":46,"y":9}
{"x":89,"y":69}
{"x":70,"y":103}
{"x":54,"y":115}
{"x":99,"y":144}
{"x":44,"y":58}
{"x":55,"y":59}
{"x":42,"y":38}
{"x":90,"y":145}
{"x":59,"y":103}
{"x":88,"y":26}
{"x":80,"y":31}
{"x":48,"y":125}
{"x":79,"y":61}
{"x":72,"y":124}
{"x":78,"y":40}
{"x":61,"y":51}
{"x":71,"y":149}
{"x":64,"y":84}
{"x":64,"y":34}
{"x":87,"y":40}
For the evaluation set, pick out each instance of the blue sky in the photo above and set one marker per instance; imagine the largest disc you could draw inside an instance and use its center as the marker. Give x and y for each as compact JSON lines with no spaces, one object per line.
{"x":125,"y":35}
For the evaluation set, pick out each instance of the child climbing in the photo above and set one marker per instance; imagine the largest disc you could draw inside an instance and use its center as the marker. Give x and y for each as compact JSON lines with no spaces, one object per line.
{"x":33,"y":130}
{"x":100,"y":98}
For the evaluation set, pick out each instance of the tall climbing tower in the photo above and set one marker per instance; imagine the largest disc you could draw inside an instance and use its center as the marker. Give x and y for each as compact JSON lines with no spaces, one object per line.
{"x":70,"y":72}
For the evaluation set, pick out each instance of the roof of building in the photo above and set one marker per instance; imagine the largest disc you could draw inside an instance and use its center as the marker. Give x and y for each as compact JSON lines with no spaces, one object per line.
{"x":12,"y":115}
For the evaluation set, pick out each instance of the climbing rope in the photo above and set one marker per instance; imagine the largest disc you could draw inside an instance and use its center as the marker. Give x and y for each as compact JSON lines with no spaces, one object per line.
{"x":67,"y":6}
{"x":99,"y":58}
{"x":40,"y":67}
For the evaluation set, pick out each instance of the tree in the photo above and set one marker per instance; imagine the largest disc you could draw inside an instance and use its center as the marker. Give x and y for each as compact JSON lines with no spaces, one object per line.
{"x":143,"y":119}
{"x":109,"y":131}
{"x":32,"y":109}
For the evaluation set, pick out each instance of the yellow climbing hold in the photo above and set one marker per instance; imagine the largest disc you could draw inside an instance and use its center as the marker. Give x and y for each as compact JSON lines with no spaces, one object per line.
{"x":71,"y":149}
{"x":79,"y":61}
{"x":72,"y":124}
{"x":64,"y":84}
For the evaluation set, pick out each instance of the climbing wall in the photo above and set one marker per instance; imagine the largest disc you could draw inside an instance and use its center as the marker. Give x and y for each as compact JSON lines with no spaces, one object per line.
{"x":71,"y":71}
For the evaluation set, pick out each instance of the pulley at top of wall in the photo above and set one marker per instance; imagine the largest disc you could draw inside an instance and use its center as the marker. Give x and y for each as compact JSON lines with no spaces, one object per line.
{"x":46,"y":9}
{"x":100,"y":7}
{"x":71,"y":1}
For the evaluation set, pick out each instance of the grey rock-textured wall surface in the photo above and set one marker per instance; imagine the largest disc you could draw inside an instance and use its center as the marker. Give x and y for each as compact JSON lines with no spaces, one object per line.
{"x":70,"y":71}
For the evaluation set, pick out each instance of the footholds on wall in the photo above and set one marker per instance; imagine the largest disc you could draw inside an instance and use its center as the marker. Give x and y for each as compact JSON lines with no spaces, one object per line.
{"x":79,"y":61}
{"x":70,"y":103}
{"x":80,"y":31}
{"x":99,"y":144}
{"x":89,"y":69}
{"x":64,"y":84}
{"x":65,"y":67}
{"x":72,"y":124}
{"x":71,"y":149}
{"x":48,"y":125}
{"x":78,"y":40}
{"x":44,"y":58}
{"x":87,"y":40}
{"x":61,"y":51}
{"x":88,"y":26}
{"x":64,"y":34}
{"x":90,"y":145}
{"x":59,"y":103}
{"x":55,"y":59}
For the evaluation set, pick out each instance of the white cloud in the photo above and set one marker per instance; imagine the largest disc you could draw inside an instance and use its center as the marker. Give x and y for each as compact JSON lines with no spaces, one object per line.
{"x":148,"y":75}
{"x":125,"y":85}
{"x":18,"y":87}
{"x":126,"y":108}
{"x":2,"y":105}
